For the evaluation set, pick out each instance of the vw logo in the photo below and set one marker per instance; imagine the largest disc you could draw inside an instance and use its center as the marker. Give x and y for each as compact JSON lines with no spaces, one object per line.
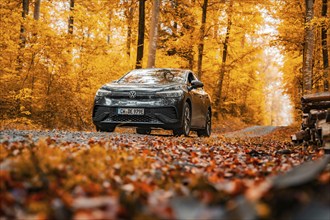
{"x":132,"y":94}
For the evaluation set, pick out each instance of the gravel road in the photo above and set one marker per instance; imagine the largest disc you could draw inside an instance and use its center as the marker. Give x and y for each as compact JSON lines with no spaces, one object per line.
{"x":254,"y":131}
{"x":82,"y":137}
{"x":58,"y":135}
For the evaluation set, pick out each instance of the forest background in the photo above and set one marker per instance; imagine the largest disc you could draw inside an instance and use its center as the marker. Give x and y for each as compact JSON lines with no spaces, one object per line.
{"x":255,"y":57}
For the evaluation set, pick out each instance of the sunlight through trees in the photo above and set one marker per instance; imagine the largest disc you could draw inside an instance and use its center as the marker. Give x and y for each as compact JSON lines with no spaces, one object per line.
{"x":255,"y":57}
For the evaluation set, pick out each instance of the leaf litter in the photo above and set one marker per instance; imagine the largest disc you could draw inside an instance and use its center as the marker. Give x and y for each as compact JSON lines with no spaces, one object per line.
{"x":87,"y":175}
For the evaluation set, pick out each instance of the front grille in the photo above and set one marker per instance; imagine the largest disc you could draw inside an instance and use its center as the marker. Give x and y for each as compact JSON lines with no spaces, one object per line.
{"x":133,"y":118}
{"x":109,"y":114}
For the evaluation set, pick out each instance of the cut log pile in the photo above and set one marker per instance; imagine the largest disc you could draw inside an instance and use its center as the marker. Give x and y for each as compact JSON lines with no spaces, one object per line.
{"x":315,"y":126}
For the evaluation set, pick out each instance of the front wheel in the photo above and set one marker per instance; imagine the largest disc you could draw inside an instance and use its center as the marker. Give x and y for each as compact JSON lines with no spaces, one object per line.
{"x":206,"y":132}
{"x":185,"y":129}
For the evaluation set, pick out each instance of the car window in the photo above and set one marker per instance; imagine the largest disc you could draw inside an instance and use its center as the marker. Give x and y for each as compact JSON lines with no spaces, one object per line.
{"x":191,"y":77}
{"x":154,"y":76}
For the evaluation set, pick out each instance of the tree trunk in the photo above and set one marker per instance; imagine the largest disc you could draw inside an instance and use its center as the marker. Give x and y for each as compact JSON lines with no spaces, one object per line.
{"x":25,"y":12}
{"x":187,"y":29}
{"x":153,"y":34}
{"x":129,"y":30}
{"x":325,"y":47}
{"x":308,"y":48}
{"x":71,"y":19}
{"x":20,"y":52}
{"x":36,"y":16}
{"x":222,"y":71}
{"x":36,"y":12}
{"x":140,"y":44}
{"x":201,"y":41}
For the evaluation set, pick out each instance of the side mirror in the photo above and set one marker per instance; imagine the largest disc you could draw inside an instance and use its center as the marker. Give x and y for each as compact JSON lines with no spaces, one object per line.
{"x":196,"y":84}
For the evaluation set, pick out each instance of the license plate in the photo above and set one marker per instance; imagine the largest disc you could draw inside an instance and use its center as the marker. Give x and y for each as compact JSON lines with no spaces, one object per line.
{"x":130,"y":111}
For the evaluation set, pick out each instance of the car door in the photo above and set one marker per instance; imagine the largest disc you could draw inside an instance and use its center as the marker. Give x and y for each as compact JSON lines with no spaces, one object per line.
{"x":203,"y":106}
{"x":196,"y":102}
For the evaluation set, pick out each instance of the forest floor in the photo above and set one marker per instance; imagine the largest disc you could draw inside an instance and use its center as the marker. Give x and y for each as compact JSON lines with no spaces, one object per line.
{"x":254,"y":173}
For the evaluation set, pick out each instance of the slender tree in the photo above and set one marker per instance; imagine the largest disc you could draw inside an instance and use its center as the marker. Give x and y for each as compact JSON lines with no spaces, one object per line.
{"x":25,"y":12}
{"x":201,"y":40}
{"x":71,"y":18}
{"x":129,"y":31}
{"x":129,"y":14}
{"x":224,"y":57}
{"x":324,"y":43}
{"x":308,"y":47}
{"x":36,"y":12}
{"x":36,"y":16}
{"x":153,"y":34}
{"x":140,"y":43}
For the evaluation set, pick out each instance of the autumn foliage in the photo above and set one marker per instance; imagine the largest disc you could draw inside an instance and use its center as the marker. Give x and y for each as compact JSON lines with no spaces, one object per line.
{"x":126,"y":176}
{"x":55,"y":54}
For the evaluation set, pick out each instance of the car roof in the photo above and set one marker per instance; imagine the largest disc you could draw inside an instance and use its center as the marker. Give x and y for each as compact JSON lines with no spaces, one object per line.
{"x":177,"y":69}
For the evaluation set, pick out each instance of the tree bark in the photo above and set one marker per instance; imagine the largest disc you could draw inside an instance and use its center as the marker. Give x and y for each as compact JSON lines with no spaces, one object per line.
{"x":187,"y":29}
{"x":308,"y":48}
{"x":20,"y":53}
{"x":201,"y":40}
{"x":129,"y":16}
{"x":25,"y":12}
{"x":71,"y":18}
{"x":222,"y":71}
{"x":140,"y":43}
{"x":36,"y":16}
{"x":325,"y":54}
{"x":153,"y":34}
{"x":36,"y":12}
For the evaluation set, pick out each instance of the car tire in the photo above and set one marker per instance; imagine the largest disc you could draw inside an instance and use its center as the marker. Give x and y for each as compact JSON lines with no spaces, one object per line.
{"x":186,"y":124}
{"x":108,"y":129}
{"x":206,"y":132}
{"x":143,"y":130}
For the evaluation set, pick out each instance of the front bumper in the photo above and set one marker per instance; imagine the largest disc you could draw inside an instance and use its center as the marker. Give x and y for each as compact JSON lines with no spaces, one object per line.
{"x":160,"y":113}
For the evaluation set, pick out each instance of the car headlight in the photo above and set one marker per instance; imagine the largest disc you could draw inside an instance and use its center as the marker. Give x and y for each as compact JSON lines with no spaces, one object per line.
{"x":171,"y":94}
{"x":102,"y":92}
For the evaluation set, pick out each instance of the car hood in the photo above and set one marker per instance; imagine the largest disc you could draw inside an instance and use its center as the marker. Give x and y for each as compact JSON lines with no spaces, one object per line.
{"x":140,"y":87}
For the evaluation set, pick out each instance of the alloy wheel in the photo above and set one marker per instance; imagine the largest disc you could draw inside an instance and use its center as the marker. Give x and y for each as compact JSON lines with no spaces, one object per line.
{"x":187,"y":120}
{"x":208,"y":124}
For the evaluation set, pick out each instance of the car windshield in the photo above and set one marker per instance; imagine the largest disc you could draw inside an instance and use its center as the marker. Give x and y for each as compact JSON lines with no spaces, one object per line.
{"x":154,"y":76}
